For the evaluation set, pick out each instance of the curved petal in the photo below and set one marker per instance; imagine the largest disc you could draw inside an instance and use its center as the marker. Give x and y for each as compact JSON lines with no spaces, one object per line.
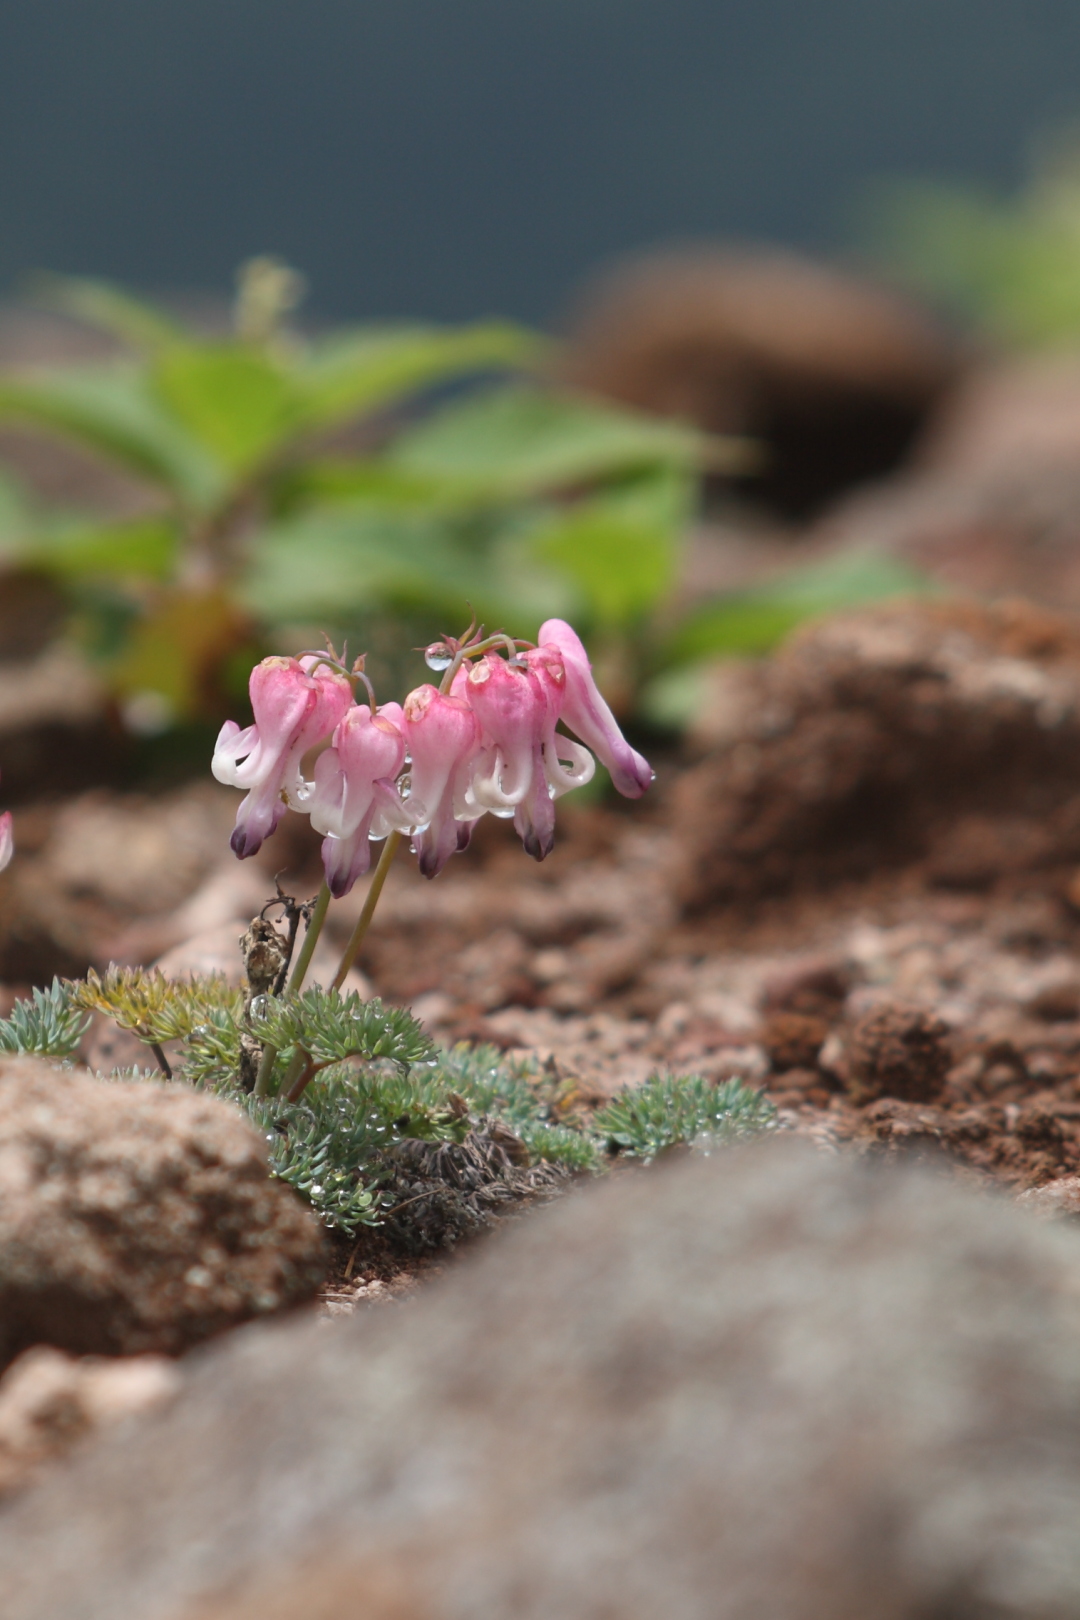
{"x":561,"y":752}
{"x":586,"y":713}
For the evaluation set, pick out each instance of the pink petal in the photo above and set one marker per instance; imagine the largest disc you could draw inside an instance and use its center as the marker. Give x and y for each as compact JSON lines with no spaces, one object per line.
{"x":586,"y":713}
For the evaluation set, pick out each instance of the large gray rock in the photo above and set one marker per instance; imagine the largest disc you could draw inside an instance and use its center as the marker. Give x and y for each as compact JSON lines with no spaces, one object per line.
{"x":771,"y":1384}
{"x":137,"y":1217}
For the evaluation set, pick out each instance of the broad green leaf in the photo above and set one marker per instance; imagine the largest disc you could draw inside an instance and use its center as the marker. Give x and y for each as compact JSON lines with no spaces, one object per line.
{"x":754,"y":621}
{"x":111,"y":409}
{"x":621,"y":559}
{"x":143,"y":549}
{"x":519,"y":441}
{"x":233,"y":399}
{"x":348,"y":557}
{"x":16,"y":515}
{"x":372,"y":368}
{"x":111,"y":309}
{"x":329,"y":480}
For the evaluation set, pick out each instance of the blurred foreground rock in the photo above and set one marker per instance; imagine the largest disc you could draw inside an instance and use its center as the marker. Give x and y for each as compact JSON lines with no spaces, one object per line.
{"x":772,"y":1383}
{"x":947,"y":733}
{"x":136,"y":1217}
{"x":50,"y":1402}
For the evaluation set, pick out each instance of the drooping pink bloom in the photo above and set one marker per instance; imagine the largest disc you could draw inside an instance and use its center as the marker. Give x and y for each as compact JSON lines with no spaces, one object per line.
{"x":589,"y":717}
{"x":296,"y":703}
{"x":7,"y":840}
{"x":517,"y":705}
{"x":353,"y":798}
{"x":442,"y":735}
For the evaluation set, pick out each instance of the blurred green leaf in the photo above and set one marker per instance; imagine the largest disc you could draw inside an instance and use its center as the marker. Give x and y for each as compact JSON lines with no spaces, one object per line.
{"x":17,"y":518}
{"x":134,"y":321}
{"x":371,"y":368}
{"x":234,"y":399}
{"x":347,"y":557}
{"x":1013,"y":264}
{"x":329,"y":480}
{"x":111,"y":408}
{"x":520,"y":441}
{"x":620,"y":550}
{"x":144,"y":549}
{"x":754,"y":621}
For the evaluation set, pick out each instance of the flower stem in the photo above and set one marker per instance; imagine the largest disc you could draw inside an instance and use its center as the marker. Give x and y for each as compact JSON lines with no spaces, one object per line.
{"x":363,"y":923}
{"x":311,"y":939}
{"x":296,"y":982}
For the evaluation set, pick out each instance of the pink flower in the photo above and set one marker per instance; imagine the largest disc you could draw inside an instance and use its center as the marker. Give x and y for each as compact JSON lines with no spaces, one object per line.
{"x":7,"y":840}
{"x":296,"y":704}
{"x":518,"y":772}
{"x":442,"y":735}
{"x":353,"y":798}
{"x":586,"y":713}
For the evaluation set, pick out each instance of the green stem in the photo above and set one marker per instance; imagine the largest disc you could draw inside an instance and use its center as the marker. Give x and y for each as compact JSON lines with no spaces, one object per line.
{"x":386,"y":860}
{"x":295,"y":984}
{"x":266,"y":1069}
{"x":311,"y":939}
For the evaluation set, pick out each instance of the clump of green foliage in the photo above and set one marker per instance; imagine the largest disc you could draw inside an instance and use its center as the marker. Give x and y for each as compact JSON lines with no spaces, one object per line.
{"x":670,"y":1110}
{"x":388,"y":1130}
{"x":50,"y":1023}
{"x":1010,"y":265}
{"x":367,"y":481}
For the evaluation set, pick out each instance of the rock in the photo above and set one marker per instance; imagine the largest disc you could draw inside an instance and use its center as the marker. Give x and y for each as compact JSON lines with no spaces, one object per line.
{"x":867,"y":741}
{"x":897,"y":1051}
{"x":50,"y":1401}
{"x":55,"y":733}
{"x":774,"y":1383}
{"x":830,"y":373}
{"x":1055,"y":1200}
{"x":794,"y":1039}
{"x":136,"y":1217}
{"x":140,"y":854}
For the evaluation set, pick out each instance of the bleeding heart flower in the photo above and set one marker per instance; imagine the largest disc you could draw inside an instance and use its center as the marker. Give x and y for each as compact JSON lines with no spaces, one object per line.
{"x":353,"y":798}
{"x":442,"y":735}
{"x":524,"y":763}
{"x":586,"y":713}
{"x":296,"y":704}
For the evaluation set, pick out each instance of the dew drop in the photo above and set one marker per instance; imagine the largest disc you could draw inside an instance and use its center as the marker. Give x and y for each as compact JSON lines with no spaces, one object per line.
{"x":438,"y":656}
{"x":260,"y":1006}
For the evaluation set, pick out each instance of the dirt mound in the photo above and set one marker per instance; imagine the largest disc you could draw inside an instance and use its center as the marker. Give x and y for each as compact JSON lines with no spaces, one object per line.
{"x":948,"y":734}
{"x":834,"y":376}
{"x":777,"y":1384}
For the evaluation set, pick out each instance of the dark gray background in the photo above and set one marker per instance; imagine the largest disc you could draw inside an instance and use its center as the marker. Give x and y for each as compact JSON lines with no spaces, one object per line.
{"x":458,"y":157}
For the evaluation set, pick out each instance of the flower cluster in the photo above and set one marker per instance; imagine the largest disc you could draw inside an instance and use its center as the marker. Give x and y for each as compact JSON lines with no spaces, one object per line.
{"x":486,"y":740}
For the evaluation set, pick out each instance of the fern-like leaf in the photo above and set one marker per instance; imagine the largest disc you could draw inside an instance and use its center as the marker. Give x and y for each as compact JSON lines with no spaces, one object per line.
{"x":49,"y":1024}
{"x":669,"y":1110}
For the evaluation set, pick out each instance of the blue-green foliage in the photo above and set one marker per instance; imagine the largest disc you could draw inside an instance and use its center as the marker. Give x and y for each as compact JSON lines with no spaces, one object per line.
{"x":331,"y":1027}
{"x":670,"y":1110}
{"x":49,"y":1024}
